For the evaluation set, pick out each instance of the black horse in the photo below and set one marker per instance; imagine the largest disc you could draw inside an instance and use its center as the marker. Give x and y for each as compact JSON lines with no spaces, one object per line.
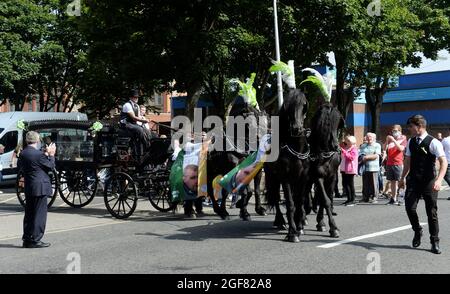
{"x":291,"y":169}
{"x":221,"y":162}
{"x":325,"y":160}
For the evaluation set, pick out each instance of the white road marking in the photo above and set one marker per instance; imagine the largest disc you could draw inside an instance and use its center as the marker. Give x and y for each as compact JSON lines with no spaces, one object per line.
{"x":9,"y":199}
{"x":334,"y":244}
{"x":71,"y":229}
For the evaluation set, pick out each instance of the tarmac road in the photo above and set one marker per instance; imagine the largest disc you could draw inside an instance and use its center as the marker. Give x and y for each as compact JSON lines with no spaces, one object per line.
{"x":154,"y":242}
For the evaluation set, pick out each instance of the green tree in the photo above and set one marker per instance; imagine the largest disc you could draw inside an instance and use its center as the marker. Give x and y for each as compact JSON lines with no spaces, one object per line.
{"x":41,"y":52}
{"x":392,"y":41}
{"x":198,"y":44}
{"x":24,"y":24}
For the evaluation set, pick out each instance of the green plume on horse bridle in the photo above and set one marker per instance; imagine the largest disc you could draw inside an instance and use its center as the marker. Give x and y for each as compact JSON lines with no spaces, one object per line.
{"x":287,"y":72}
{"x":315,"y":88}
{"x":247,"y":91}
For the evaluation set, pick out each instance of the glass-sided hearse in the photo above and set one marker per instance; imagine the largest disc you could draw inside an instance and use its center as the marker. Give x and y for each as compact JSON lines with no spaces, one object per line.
{"x":93,"y":156}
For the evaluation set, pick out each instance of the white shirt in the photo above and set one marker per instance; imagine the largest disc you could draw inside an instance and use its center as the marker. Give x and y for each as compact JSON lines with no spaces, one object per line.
{"x":446,"y":145}
{"x":128,"y":108}
{"x":435,"y":146}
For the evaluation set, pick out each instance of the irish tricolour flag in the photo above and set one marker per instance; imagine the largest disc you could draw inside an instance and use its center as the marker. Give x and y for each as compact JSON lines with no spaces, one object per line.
{"x":188,"y":174}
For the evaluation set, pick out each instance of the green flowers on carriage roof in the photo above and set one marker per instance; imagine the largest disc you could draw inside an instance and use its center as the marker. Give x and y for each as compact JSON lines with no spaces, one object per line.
{"x":247,"y":91}
{"x":97,"y":126}
{"x":21,"y":125}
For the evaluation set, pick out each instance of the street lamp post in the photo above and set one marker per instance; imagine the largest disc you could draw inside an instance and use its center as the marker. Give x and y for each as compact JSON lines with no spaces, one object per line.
{"x":277,"y":55}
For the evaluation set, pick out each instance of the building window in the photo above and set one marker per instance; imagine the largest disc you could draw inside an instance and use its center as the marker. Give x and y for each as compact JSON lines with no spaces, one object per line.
{"x":158,"y":99}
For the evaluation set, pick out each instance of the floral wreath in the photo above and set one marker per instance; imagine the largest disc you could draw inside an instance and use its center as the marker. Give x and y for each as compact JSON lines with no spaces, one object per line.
{"x":97,"y":126}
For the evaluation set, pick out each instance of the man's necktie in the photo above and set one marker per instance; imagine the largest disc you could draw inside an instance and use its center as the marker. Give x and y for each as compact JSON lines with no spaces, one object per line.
{"x":418,"y":140}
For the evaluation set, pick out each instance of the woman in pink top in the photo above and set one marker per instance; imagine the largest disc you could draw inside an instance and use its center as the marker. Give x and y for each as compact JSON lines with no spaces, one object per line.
{"x":349,"y":168}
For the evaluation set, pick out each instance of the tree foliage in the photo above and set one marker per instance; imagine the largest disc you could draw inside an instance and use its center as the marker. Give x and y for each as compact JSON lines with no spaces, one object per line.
{"x":197,"y":46}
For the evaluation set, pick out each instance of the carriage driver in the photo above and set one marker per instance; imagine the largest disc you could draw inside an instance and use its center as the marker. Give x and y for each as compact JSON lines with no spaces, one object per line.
{"x":129,"y":117}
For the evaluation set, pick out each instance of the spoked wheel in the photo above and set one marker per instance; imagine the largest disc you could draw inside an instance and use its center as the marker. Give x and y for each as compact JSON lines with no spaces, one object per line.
{"x":121,"y":195}
{"x":159,"y":195}
{"x":20,"y":188}
{"x":78,"y":187}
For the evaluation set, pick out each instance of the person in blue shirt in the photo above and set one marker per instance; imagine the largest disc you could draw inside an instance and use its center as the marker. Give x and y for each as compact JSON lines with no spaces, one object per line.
{"x":370,"y":153}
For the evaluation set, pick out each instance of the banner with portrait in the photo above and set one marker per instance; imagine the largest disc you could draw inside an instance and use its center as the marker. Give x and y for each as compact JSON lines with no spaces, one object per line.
{"x":240,"y":177}
{"x":188,"y":175}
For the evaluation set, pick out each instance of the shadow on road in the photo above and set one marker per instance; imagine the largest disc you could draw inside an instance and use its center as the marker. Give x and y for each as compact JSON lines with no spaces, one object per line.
{"x":232,"y":229}
{"x":10,"y":246}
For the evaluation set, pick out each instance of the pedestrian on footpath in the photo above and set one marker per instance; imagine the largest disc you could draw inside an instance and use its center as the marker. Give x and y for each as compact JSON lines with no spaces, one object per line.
{"x":446,"y":145}
{"x":419,"y":167}
{"x":370,"y":152}
{"x":36,"y":165}
{"x":349,"y":168}
{"x":395,"y":146}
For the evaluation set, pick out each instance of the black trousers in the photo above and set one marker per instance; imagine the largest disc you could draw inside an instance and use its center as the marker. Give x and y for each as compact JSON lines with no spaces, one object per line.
{"x":348,"y":185}
{"x":413,"y":193}
{"x":139,"y":133}
{"x":35,"y":218}
{"x":198,"y":203}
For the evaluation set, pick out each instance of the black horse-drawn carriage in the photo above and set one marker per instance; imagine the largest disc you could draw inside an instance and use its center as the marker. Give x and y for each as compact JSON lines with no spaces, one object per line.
{"x":107,"y":158}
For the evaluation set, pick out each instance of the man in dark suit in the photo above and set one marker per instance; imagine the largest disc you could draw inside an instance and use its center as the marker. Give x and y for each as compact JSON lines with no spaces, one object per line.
{"x":421,"y":154}
{"x":36,"y":165}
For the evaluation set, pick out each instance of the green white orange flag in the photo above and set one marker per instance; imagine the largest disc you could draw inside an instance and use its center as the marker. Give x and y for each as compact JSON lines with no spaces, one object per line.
{"x":188,"y":175}
{"x":240,"y":176}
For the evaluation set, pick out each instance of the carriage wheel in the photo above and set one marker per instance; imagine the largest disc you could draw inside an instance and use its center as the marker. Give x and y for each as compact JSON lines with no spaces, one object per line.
{"x":121,"y":195}
{"x":20,"y":190}
{"x":77,"y":188}
{"x":160,"y":196}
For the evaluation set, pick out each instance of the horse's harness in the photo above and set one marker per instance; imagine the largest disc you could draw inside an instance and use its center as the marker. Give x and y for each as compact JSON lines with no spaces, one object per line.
{"x":308,"y":154}
{"x":299,"y":155}
{"x":324,"y":155}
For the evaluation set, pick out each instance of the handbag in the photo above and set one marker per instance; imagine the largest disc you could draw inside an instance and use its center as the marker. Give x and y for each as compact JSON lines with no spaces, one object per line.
{"x":361,"y":165}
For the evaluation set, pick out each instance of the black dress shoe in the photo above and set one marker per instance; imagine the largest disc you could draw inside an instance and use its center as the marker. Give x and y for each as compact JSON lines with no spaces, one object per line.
{"x":435,"y":248}
{"x":35,"y":244}
{"x":416,"y":239}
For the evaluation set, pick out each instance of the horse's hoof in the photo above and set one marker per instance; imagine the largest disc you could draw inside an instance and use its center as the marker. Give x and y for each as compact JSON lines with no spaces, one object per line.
{"x":245,"y":216}
{"x":334,"y":233}
{"x":321,"y":228}
{"x":293,"y":239}
{"x":261,"y":211}
{"x":302,"y":232}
